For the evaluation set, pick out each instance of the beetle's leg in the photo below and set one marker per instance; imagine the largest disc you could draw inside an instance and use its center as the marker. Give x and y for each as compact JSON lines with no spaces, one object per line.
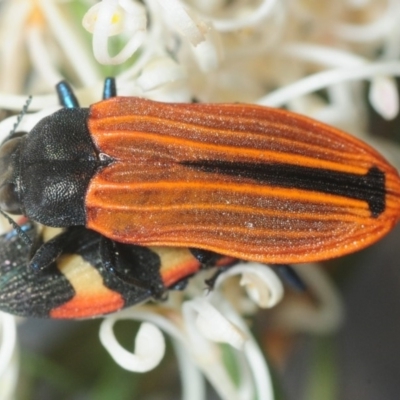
{"x":208,"y":259}
{"x":205,"y":257}
{"x":48,"y":252}
{"x":291,"y":277}
{"x":66,"y":95}
{"x":46,"y":255}
{"x":210,"y":282}
{"x":180,"y":285}
{"x":110,"y":88}
{"x":132,"y":268}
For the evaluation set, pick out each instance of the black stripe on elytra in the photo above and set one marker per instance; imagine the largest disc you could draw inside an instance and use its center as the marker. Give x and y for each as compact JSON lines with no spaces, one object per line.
{"x":369,"y":187}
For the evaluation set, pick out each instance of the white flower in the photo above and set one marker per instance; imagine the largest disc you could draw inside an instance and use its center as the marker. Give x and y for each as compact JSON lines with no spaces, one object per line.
{"x":197,"y":326}
{"x":277,"y":53}
{"x":113,"y":17}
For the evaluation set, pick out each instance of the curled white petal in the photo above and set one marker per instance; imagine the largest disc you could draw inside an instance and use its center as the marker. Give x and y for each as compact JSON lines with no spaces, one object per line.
{"x":174,"y":92}
{"x":149,"y":346}
{"x":90,"y":18}
{"x":209,"y":53}
{"x":159,"y":72}
{"x":373,"y":31}
{"x":260,"y":281}
{"x":127,"y":16}
{"x":103,"y":28}
{"x":251,"y":354}
{"x":214,"y":326}
{"x":192,"y":381}
{"x":384,"y":97}
{"x":206,"y":352}
{"x":177,"y":17}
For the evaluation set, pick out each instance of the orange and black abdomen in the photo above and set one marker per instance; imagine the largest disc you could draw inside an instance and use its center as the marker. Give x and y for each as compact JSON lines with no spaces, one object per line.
{"x":245,"y":181}
{"x":78,"y":285}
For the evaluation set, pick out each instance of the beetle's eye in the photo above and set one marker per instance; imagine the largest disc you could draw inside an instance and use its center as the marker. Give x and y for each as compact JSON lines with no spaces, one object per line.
{"x":13,"y":136}
{"x":9,"y":199}
{"x":8,"y":192}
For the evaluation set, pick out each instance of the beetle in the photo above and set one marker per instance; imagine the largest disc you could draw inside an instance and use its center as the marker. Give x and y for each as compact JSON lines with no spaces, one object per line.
{"x":237,"y":180}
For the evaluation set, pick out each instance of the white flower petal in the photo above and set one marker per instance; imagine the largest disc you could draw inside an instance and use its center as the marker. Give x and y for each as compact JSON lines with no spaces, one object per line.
{"x":207,"y":353}
{"x":251,"y":353}
{"x":260,"y":281}
{"x":123,"y":16}
{"x":90,"y":18}
{"x":193,"y":384}
{"x":259,"y":368}
{"x":160,"y":71}
{"x":8,"y":356}
{"x":149,"y":346}
{"x":177,"y":17}
{"x":384,"y":97}
{"x":40,"y":56}
{"x":214,"y":326}
{"x":103,"y":28}
{"x":66,"y":38}
{"x":246,"y":18}
{"x":324,"y":55}
{"x":14,"y":68}
{"x":375,"y":30}
{"x":208,"y":53}
{"x":321,"y":80}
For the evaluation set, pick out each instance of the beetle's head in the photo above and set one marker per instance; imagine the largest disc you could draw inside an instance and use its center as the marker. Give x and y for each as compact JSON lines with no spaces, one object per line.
{"x":9,"y":158}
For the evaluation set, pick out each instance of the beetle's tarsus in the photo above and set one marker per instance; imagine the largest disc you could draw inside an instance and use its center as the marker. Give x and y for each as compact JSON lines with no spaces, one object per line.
{"x":206,"y":257}
{"x":291,"y":277}
{"x":180,"y":285}
{"x":210,"y":282}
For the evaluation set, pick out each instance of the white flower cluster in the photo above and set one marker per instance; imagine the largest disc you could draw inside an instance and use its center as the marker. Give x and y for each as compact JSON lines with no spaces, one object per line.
{"x":263,"y":51}
{"x":196,"y":326}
